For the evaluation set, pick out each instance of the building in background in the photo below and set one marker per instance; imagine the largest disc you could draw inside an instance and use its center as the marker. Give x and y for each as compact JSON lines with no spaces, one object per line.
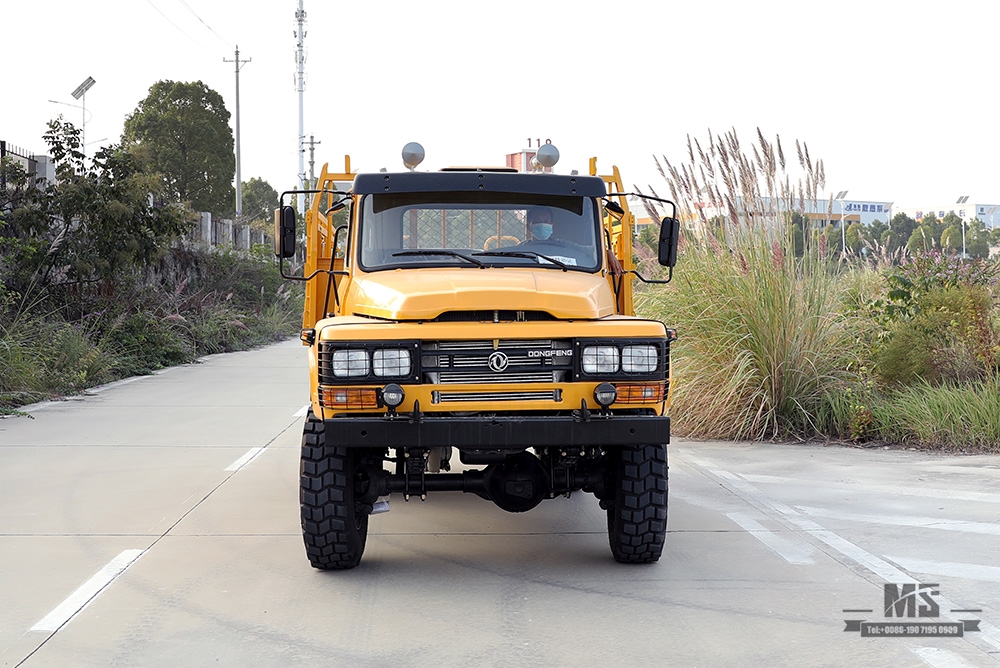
{"x":820,"y":212}
{"x":967,"y":211}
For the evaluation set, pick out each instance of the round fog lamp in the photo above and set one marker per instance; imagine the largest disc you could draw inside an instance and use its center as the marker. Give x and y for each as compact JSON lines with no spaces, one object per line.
{"x":605,"y":394}
{"x":392,"y":395}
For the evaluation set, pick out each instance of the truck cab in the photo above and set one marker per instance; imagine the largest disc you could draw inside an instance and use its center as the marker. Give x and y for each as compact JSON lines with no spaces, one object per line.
{"x":472,"y":330}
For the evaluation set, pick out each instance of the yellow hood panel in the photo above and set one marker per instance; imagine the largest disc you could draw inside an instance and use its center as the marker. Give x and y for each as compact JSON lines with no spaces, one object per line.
{"x":424,"y":294}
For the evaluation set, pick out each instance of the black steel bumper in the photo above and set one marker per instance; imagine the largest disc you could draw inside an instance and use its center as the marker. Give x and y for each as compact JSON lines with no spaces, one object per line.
{"x":498,"y":432}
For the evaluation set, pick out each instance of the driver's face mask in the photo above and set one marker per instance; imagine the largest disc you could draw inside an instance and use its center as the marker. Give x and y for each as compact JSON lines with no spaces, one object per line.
{"x":541,"y":231}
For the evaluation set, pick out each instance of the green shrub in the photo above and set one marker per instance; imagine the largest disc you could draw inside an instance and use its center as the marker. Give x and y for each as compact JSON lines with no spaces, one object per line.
{"x":74,"y":361}
{"x":146,"y":342}
{"x":938,"y":321}
{"x":960,"y":417}
{"x":191,"y":302}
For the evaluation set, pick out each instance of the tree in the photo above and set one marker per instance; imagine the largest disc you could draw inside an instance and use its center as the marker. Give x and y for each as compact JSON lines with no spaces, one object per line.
{"x":951,"y":232}
{"x":951,"y":218}
{"x":833,"y":240}
{"x":22,"y":232}
{"x":951,"y":238}
{"x":181,"y":132}
{"x":932,"y":225}
{"x":877,"y":229}
{"x":902,"y":226}
{"x":977,"y":239}
{"x":259,"y":200}
{"x":922,"y":240}
{"x":855,"y":238}
{"x":890,"y":241}
{"x":976,"y":236}
{"x":100,"y":218}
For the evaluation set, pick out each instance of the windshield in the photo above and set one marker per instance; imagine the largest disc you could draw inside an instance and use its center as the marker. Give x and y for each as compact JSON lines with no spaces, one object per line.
{"x":479,"y":230}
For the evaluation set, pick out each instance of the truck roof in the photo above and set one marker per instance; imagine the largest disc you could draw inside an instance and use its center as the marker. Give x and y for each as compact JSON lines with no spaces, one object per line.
{"x":479,"y":180}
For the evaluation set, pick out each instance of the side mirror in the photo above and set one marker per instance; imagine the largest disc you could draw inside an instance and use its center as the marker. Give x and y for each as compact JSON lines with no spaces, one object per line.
{"x":284,"y":232}
{"x":670,"y":229}
{"x":335,"y":207}
{"x":614,"y":210}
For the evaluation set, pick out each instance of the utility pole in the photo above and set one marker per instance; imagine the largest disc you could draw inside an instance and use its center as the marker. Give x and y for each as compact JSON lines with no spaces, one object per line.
{"x":300,"y":86}
{"x":239,"y":177}
{"x":312,"y":162}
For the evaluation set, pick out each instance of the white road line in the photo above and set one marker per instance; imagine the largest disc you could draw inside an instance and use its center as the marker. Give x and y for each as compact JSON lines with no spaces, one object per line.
{"x":887,"y":572}
{"x":782,"y":547}
{"x":302,"y":411}
{"x":952,"y":569}
{"x":939,"y":658}
{"x":245,"y":459}
{"x":87,"y":592}
{"x":907,"y":521}
{"x":865,"y":488}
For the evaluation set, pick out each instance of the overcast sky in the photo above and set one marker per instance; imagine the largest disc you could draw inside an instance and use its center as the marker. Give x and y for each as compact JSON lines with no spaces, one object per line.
{"x":898,"y":99}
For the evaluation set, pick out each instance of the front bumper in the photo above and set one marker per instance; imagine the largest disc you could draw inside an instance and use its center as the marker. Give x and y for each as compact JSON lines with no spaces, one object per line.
{"x":482,"y":433}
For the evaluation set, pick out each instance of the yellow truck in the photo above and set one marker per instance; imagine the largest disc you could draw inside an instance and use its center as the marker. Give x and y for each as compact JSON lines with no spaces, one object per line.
{"x":487,"y":312}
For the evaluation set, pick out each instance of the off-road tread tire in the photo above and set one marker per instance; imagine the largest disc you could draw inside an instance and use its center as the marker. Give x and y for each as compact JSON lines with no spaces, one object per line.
{"x":334,"y":526}
{"x":637,"y":518}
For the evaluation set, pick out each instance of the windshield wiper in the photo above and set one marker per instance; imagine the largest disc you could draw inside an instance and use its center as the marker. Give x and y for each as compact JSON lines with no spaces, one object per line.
{"x":524,"y":253}
{"x":450,"y":253}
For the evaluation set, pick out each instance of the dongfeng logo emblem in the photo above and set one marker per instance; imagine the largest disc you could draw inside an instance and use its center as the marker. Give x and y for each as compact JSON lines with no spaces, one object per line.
{"x":498,"y":361}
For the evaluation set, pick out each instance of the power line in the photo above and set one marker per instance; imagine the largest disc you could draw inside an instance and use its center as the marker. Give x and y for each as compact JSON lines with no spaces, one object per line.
{"x":203,"y":22}
{"x":179,"y":28}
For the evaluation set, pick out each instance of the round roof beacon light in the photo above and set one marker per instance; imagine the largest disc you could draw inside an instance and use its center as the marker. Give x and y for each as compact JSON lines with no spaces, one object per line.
{"x":413,"y":155}
{"x":547,"y":156}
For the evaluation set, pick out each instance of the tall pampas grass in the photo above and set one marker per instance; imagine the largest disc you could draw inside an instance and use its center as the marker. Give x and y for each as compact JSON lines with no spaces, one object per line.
{"x":762,"y":351}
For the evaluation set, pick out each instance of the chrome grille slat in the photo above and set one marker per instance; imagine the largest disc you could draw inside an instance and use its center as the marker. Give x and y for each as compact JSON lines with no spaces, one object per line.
{"x":450,"y":397}
{"x":468,"y":363}
{"x":469,"y":378}
{"x":479,"y":365}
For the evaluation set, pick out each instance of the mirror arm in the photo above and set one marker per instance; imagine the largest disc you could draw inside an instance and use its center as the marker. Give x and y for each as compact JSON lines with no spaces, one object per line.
{"x":651,"y":281}
{"x":281,"y":260}
{"x":330,"y":272}
{"x":331,"y":283}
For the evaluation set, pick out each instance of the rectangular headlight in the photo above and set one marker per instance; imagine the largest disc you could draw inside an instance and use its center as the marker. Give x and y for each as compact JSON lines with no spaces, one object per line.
{"x":639,"y":359}
{"x":348,"y":363}
{"x":391,"y":362}
{"x":600,"y":359}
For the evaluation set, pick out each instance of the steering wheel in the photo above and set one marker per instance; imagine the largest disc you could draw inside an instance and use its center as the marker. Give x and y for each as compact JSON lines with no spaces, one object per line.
{"x":497,"y":241}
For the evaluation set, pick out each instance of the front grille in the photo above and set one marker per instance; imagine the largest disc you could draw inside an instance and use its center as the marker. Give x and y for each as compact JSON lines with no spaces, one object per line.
{"x":502,"y":362}
{"x":472,"y":377}
{"x":500,"y":395}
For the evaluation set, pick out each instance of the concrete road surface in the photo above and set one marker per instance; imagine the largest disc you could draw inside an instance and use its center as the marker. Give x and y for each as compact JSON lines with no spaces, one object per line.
{"x":155,"y":523}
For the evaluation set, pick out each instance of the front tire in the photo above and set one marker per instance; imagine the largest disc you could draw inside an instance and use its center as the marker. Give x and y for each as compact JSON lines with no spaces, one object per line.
{"x":637,"y":517}
{"x":333,"y":511}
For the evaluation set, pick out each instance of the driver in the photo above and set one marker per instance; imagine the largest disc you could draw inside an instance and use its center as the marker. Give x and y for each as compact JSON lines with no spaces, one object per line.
{"x":539,"y":227}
